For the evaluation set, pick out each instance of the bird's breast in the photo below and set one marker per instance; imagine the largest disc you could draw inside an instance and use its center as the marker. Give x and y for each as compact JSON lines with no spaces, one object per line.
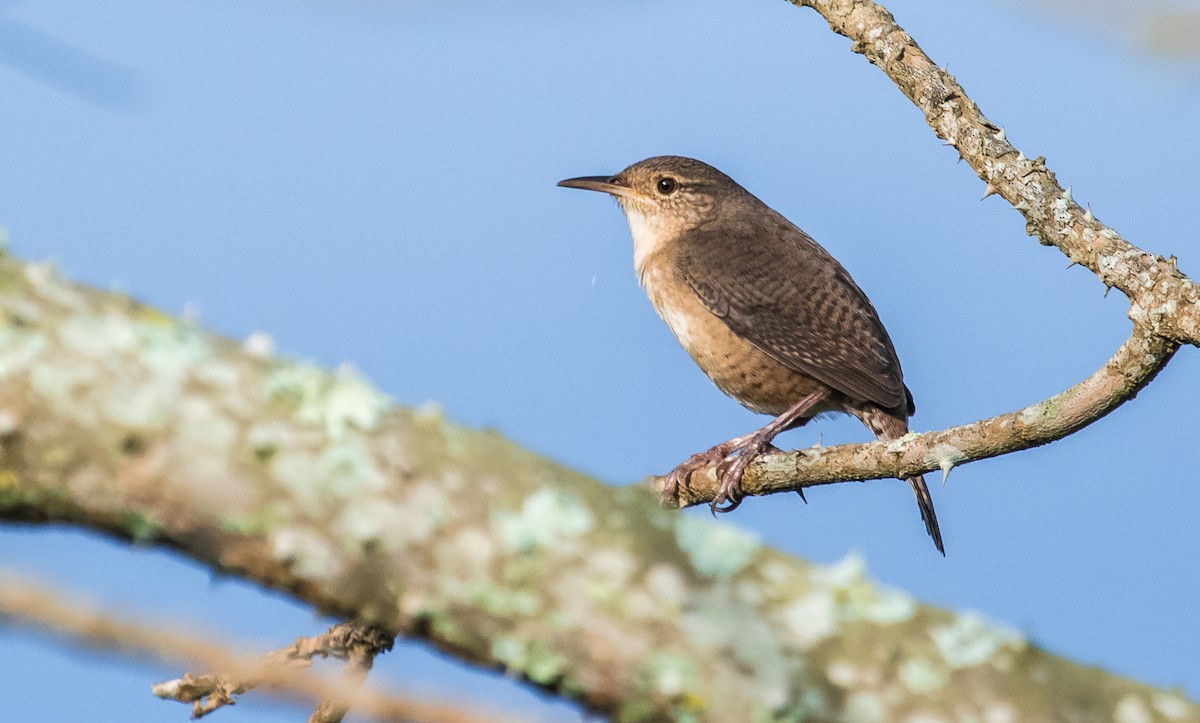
{"x":736,"y":366}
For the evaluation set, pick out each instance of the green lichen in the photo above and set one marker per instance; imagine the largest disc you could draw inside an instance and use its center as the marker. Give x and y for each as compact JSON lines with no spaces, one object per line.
{"x":545,"y":668}
{"x":865,"y":707}
{"x":945,"y":456}
{"x":810,"y":619}
{"x":921,"y":676}
{"x":1132,"y":709}
{"x":669,"y":675}
{"x":508,"y":602}
{"x":533,"y":659}
{"x":307,"y":552}
{"x":353,"y":402}
{"x":18,"y":350}
{"x":970,"y":641}
{"x":141,"y":527}
{"x":546,"y":517}
{"x":338,"y":402}
{"x":716,"y":550}
{"x":348,"y":469}
{"x":509,"y":652}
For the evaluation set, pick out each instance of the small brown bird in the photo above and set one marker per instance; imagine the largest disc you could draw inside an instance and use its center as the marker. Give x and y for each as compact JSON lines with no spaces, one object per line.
{"x":766,"y":313}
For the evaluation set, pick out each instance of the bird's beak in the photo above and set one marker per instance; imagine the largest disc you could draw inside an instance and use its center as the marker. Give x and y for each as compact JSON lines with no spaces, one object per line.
{"x":606,"y":184}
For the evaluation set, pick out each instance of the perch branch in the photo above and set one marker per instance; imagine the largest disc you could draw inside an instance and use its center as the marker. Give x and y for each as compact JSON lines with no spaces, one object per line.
{"x":1131,"y":368}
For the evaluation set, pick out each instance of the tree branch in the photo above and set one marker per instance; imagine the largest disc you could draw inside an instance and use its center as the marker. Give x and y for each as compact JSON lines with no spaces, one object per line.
{"x":1164,"y":301}
{"x":119,"y":418}
{"x":1131,"y":368}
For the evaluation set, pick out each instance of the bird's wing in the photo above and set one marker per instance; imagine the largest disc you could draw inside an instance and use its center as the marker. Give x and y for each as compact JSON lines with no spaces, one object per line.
{"x":785,"y":294}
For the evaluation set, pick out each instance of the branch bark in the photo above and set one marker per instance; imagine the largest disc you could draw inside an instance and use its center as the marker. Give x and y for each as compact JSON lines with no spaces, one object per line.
{"x":116,"y":417}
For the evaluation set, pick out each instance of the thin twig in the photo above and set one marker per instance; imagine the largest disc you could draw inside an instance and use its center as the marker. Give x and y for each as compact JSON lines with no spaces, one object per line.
{"x":352,"y":642}
{"x":27,"y":603}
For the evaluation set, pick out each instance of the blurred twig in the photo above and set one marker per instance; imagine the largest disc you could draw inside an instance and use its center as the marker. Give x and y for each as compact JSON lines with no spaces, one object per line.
{"x":356,"y":644}
{"x":282,"y":673}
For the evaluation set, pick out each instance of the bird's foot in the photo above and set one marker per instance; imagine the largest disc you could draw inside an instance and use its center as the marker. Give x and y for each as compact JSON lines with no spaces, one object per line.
{"x":737,"y":460}
{"x":731,"y":459}
{"x":679,"y":476}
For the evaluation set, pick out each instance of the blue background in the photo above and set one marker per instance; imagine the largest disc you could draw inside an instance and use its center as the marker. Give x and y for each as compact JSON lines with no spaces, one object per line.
{"x":374,"y":181}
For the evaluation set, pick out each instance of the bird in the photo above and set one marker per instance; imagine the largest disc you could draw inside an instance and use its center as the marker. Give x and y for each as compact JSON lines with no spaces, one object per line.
{"x":770,"y":316}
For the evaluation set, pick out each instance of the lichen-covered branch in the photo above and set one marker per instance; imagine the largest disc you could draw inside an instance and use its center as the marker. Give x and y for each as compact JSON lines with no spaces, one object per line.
{"x":1164,"y":301}
{"x":282,"y":674}
{"x":119,"y":418}
{"x":1130,"y":369}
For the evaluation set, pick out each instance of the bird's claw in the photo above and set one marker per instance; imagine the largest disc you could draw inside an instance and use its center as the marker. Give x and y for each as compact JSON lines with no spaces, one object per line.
{"x":732,"y":459}
{"x":678,"y":477}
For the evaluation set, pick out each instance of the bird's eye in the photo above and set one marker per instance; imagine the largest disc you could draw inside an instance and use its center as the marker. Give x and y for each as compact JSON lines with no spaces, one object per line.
{"x":667,"y":186}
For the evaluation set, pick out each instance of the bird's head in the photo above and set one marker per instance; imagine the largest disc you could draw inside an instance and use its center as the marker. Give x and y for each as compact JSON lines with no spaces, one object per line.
{"x":664,"y":197}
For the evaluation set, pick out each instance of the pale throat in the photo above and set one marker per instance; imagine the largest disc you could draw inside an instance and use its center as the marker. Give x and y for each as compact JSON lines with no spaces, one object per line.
{"x":650,"y":236}
{"x":650,"y":232}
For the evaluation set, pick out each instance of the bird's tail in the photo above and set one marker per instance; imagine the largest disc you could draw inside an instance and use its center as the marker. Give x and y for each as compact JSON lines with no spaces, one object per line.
{"x":887,"y":425}
{"x":925,"y":502}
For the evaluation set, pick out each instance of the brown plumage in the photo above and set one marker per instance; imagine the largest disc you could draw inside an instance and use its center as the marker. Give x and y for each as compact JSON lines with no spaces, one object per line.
{"x":773,"y":319}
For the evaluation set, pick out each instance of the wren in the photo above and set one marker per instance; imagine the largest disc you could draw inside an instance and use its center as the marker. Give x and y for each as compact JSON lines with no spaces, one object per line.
{"x":767,"y":313}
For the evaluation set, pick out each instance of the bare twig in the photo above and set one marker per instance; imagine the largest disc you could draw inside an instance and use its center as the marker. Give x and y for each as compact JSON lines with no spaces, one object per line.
{"x":29,"y":604}
{"x":357,"y":644}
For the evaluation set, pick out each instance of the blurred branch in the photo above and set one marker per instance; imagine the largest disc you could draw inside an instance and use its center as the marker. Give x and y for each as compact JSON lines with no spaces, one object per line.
{"x":116,"y":417}
{"x":26,"y":603}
